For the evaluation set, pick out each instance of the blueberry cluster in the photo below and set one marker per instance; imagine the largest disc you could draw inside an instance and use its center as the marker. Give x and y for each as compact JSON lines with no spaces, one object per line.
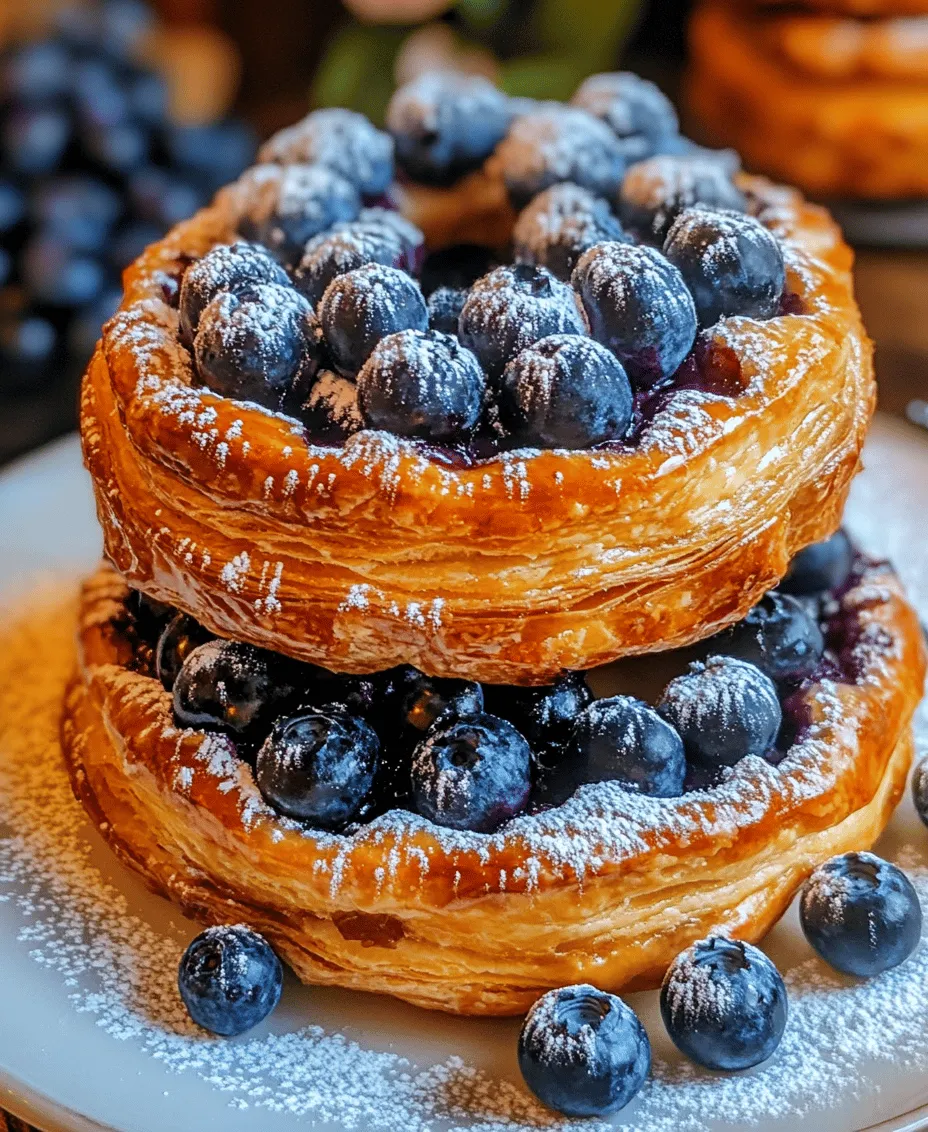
{"x":630,"y":240}
{"x":92,"y":170}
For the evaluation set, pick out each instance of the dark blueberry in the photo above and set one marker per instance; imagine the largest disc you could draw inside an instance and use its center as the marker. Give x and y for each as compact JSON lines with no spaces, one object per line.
{"x":445,"y":124}
{"x":565,"y":391}
{"x":6,"y":266}
{"x":58,"y":275}
{"x":631,"y":107}
{"x":861,"y":914}
{"x":124,"y":25}
{"x":347,"y":248}
{"x":129,"y":242}
{"x":212,"y":153}
{"x":555,"y":143}
{"x":160,"y":197}
{"x":330,"y":412}
{"x":513,"y":307}
{"x":638,"y":306}
{"x":471,"y":772}
{"x":233,"y":687}
{"x":395,"y":226}
{"x":33,"y":139}
{"x":148,"y":96}
{"x":180,"y":637}
{"x":779,"y":636}
{"x":444,"y":306}
{"x":724,"y":709}
{"x":546,"y":714}
{"x":87,"y":323}
{"x":27,"y":348}
{"x":421,"y":383}
{"x":35,"y":72}
{"x":358,"y":695}
{"x":76,"y":209}
{"x":230,"y":979}
{"x":457,"y":267}
{"x":361,"y":307}
{"x":731,"y":263}
{"x":724,"y":1004}
{"x":583,"y":1052}
{"x":342,"y":139}
{"x":250,"y":345}
{"x":820,"y":567}
{"x":148,"y":614}
{"x":12,"y":205}
{"x":100,"y":98}
{"x":656,"y":191}
{"x":920,"y":789}
{"x":120,"y":148}
{"x":227,"y":267}
{"x":318,"y":767}
{"x":559,"y":225}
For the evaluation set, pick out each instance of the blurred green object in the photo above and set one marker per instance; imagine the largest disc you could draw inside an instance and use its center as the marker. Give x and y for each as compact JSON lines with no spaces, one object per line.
{"x":542,"y":49}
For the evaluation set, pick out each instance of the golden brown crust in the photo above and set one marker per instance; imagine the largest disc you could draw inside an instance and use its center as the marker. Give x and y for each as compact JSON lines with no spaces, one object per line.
{"x":836,"y":105}
{"x":509,"y":571}
{"x":607,"y":888}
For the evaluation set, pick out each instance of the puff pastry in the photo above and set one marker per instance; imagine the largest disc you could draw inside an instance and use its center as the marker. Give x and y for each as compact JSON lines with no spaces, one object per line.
{"x":836,"y":105}
{"x":607,"y":888}
{"x":509,"y":570}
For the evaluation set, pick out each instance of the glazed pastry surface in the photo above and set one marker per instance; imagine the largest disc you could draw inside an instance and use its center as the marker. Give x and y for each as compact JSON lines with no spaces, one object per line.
{"x":607,"y":888}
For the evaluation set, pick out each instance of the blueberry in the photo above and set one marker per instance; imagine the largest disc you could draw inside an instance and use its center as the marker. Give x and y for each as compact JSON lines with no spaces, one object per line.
{"x":358,"y":695}
{"x":861,"y":914}
{"x":250,"y":345}
{"x":621,"y":739}
{"x":6,"y":266}
{"x":149,"y":615}
{"x":513,"y":307}
{"x":583,"y":1052}
{"x":446,"y":124}
{"x":820,"y":567}
{"x":457,"y":267}
{"x":79,"y":210}
{"x":724,"y":710}
{"x":212,"y":153}
{"x":33,"y":139}
{"x":545,"y":714}
{"x":330,"y":412}
{"x":120,"y":148}
{"x":361,"y":307}
{"x":471,"y":772}
{"x":779,"y":636}
{"x":423,"y":384}
{"x":638,"y":306}
{"x":565,"y":391}
{"x":656,"y":191}
{"x":444,"y":306}
{"x":180,"y":637}
{"x":12,"y":206}
{"x":724,"y":1004}
{"x":559,"y":225}
{"x":631,"y":107}
{"x":35,"y":72}
{"x":341,"y":139}
{"x":554,"y":143}
{"x":129,"y":242}
{"x":148,"y":96}
{"x":395,"y":226}
{"x":27,"y":348}
{"x":226,"y":267}
{"x":100,"y":99}
{"x":318,"y":767}
{"x":920,"y":789}
{"x":230,"y":979}
{"x":58,"y":275}
{"x":123,"y":26}
{"x":346,"y":248}
{"x":162,"y":198}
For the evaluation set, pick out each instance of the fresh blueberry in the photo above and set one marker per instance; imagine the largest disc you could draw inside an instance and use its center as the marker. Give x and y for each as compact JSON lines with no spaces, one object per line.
{"x":123,"y":26}
{"x":346,"y":248}
{"x":12,"y":205}
{"x":444,"y":306}
{"x":212,"y":153}
{"x":129,"y":241}
{"x":820,"y":567}
{"x":118,"y":149}
{"x":180,"y":637}
{"x":358,"y":695}
{"x":230,"y":979}
{"x":471,"y":772}
{"x":861,"y":914}
{"x":100,"y":98}
{"x":554,"y":143}
{"x":779,"y":636}
{"x":458,"y":267}
{"x":513,"y":307}
{"x":58,"y":275}
{"x":583,"y":1052}
{"x":250,"y":345}
{"x":920,"y":789}
{"x":446,"y":124}
{"x":148,"y":96}
{"x":724,"y":1004}
{"x":77,"y":209}
{"x":35,"y":72}
{"x":638,"y":306}
{"x":656,"y":191}
{"x":318,"y":767}
{"x":162,"y":198}
{"x":361,"y":307}
{"x":559,"y":225}
{"x":546,"y":714}
{"x":226,"y":267}
{"x":28,"y":345}
{"x":635,"y":110}
{"x":295,"y":204}
{"x":421,"y":383}
{"x":33,"y":139}
{"x":341,"y":139}
{"x":395,"y":226}
{"x":330,"y":412}
{"x":565,"y":391}
{"x":724,"y":710}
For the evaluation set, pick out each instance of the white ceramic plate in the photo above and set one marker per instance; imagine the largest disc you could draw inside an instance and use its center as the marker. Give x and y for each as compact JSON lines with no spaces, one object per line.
{"x":91,"y":1035}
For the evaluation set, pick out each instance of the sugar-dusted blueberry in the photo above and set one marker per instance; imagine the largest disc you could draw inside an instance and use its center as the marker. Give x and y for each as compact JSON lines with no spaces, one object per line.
{"x":554,"y":143}
{"x":457,"y":266}
{"x":295,"y":203}
{"x":861,"y":914}
{"x":421,"y":383}
{"x":226,"y":267}
{"x":724,"y":709}
{"x":346,"y":248}
{"x":920,"y":789}
{"x":583,"y":1052}
{"x":445,"y":124}
{"x":724,"y":1004}
{"x":444,"y":306}
{"x":342,"y":139}
{"x":361,"y":307}
{"x":229,"y":979}
{"x":318,"y":767}
{"x":565,"y":391}
{"x":821,"y":567}
{"x":655,"y":192}
{"x":779,"y":635}
{"x":545,"y":714}
{"x":330,"y":412}
{"x":638,"y":306}
{"x":250,"y":345}
{"x":513,"y":307}
{"x":471,"y":772}
{"x":560,"y":224}
{"x":635,"y":109}
{"x":180,"y":637}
